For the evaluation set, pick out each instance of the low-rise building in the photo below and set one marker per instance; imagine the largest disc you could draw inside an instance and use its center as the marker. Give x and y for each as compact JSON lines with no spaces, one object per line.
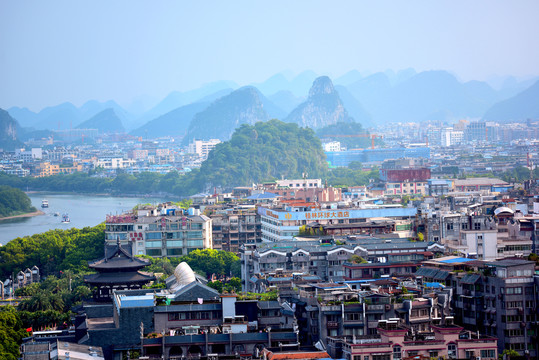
{"x":187,"y":319}
{"x":395,"y":342}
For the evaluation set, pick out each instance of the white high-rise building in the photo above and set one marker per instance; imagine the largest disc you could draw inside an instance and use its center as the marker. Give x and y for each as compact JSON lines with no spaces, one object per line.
{"x":202,"y":147}
{"x":450,"y":137}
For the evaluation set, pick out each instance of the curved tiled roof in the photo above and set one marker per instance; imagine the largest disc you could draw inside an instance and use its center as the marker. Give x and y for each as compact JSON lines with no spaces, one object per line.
{"x":118,"y":259}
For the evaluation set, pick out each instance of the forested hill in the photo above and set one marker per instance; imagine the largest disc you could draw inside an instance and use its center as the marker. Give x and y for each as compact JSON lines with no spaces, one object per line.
{"x":14,"y":202}
{"x":264,"y":151}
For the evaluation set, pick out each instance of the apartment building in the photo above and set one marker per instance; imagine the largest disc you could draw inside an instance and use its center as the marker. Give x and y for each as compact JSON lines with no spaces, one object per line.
{"x":283,"y":223}
{"x":234,"y":227}
{"x":160,"y":231}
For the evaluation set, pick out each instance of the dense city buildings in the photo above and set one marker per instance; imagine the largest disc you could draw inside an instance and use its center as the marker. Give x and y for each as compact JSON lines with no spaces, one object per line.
{"x":419,"y":262}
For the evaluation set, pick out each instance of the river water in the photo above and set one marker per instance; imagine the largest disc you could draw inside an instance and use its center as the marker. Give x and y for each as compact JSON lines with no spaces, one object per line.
{"x":83,"y":210}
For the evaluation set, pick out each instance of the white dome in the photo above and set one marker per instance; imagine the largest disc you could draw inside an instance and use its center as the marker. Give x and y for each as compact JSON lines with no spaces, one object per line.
{"x":184,"y":274}
{"x":502,"y":210}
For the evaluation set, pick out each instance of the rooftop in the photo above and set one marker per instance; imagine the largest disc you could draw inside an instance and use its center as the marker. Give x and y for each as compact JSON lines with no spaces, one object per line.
{"x":509,"y":262}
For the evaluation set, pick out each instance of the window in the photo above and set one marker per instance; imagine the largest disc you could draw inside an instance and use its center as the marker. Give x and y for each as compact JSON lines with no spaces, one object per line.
{"x":153,"y":244}
{"x":397,"y":352}
{"x":488,"y":353}
{"x":452,"y":351}
{"x":515,"y":290}
{"x":514,"y":304}
{"x":174,"y":252}
{"x":354,"y":317}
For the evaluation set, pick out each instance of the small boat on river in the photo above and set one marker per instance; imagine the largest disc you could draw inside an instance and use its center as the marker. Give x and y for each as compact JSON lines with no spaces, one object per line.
{"x":65,"y":219}
{"x":44,"y":203}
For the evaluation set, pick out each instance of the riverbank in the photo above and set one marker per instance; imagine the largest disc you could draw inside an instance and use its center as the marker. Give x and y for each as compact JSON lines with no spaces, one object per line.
{"x":162,"y":195}
{"x":35,"y":213}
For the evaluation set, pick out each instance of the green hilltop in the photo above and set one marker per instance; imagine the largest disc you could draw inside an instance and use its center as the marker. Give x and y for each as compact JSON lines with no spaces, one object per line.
{"x":264,"y":151}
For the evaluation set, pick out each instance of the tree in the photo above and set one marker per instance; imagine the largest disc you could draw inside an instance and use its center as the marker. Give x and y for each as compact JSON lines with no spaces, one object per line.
{"x":11,"y":333}
{"x":355,"y":165}
{"x":210,"y":261}
{"x":356,"y":259}
{"x":420,"y":236}
{"x":405,"y":199}
{"x":508,"y":354}
{"x":217,"y":285}
{"x":233,"y":285}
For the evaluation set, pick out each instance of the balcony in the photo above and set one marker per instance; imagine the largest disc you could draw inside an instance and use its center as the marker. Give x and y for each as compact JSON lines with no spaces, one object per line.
{"x":377,"y":308}
{"x":330,"y":308}
{"x":332,"y":325}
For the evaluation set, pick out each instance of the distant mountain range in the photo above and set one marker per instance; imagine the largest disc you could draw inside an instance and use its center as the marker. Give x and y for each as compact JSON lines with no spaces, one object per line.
{"x":522,"y":106}
{"x":216,"y":109}
{"x":219,"y":120}
{"x":106,"y":121}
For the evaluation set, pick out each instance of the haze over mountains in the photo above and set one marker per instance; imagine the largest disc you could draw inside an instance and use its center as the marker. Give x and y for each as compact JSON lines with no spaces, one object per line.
{"x":216,"y":109}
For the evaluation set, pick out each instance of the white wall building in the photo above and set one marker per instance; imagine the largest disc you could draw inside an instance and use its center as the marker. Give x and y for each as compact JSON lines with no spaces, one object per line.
{"x":300,"y":184}
{"x":202,"y":147}
{"x":332,"y":146}
{"x":114,"y":163}
{"x":450,"y":137}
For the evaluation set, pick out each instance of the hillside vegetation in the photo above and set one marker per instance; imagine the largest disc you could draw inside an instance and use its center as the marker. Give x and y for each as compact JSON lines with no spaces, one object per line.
{"x":264,"y":151}
{"x":53,"y":251}
{"x":14,"y":202}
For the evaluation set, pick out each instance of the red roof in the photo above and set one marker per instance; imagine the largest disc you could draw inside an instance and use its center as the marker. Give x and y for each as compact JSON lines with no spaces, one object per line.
{"x":306,"y":355}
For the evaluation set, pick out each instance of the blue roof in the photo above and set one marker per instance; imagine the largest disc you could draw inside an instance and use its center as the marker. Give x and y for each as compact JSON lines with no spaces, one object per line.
{"x":136,"y":301}
{"x":434,"y":285}
{"x":359,"y":281}
{"x":266,"y":195}
{"x":456,"y":260}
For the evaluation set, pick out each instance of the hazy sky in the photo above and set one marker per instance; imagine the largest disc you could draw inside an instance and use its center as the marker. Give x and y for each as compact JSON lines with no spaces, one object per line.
{"x":56,"y":51}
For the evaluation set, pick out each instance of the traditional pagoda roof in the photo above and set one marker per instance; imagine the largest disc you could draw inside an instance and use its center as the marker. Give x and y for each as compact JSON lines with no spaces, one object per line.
{"x":118,"y":259}
{"x":133,"y":277}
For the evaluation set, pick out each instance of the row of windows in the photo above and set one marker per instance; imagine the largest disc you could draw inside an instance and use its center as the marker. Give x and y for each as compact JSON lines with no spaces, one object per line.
{"x":194,"y":315}
{"x":175,"y":243}
{"x":169,"y":252}
{"x":517,"y":247}
{"x":176,"y":226}
{"x":174,"y":235}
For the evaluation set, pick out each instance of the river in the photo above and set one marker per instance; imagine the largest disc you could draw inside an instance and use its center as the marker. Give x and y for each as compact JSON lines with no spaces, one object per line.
{"x":83,"y":210}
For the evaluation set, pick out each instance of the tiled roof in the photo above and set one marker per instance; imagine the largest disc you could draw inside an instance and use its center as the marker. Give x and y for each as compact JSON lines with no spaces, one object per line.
{"x":306,"y":355}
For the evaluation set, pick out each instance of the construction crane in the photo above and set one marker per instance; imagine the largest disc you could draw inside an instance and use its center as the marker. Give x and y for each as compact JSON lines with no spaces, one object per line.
{"x":372,"y":136}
